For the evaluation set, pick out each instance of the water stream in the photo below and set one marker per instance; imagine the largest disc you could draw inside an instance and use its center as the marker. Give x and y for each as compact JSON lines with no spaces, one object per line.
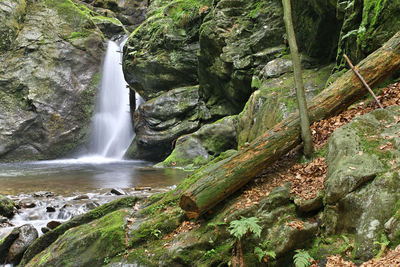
{"x":80,"y":184}
{"x":112,"y":128}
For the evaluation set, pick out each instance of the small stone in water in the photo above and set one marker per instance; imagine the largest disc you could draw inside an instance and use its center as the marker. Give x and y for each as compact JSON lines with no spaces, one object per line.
{"x":142,"y":188}
{"x":3,"y":219}
{"x":90,"y":205}
{"x":81,"y":197}
{"x":28,"y":205}
{"x":52,"y":224}
{"x":45,"y":230}
{"x":118,"y":192}
{"x":43,"y":194}
{"x":50,"y":209}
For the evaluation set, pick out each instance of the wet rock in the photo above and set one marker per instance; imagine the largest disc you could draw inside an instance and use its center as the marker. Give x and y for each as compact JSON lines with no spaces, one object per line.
{"x":142,"y":188}
{"x":43,"y":194}
{"x":3,"y":220}
{"x":50,"y":209}
{"x":6,"y":243}
{"x":118,"y":191}
{"x":109,"y":27}
{"x":90,"y":206}
{"x":6,"y":206}
{"x":160,"y":121}
{"x":45,"y":229}
{"x":48,"y":87}
{"x":53,"y":224}
{"x":27,"y":234}
{"x":196,"y":149}
{"x":81,"y":197}
{"x":29,"y":205}
{"x":65,"y":212}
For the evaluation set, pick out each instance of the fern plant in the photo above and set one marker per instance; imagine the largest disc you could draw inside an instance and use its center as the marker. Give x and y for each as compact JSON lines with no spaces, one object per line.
{"x":302,"y":258}
{"x":239,"y":228}
{"x":264,"y":254}
{"x":383,"y":243}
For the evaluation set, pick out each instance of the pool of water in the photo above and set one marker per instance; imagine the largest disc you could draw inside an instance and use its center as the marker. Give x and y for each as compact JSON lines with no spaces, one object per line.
{"x":84,"y":175}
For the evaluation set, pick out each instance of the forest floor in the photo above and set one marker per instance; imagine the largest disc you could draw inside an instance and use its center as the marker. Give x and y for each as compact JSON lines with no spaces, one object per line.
{"x":307,"y":179}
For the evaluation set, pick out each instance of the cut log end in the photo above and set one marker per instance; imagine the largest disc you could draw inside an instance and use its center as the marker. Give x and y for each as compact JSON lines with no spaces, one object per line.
{"x":190,"y":206}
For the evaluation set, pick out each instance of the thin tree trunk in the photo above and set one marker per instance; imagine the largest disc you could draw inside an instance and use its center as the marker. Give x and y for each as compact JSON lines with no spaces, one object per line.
{"x":215,"y":183}
{"x":298,"y":79}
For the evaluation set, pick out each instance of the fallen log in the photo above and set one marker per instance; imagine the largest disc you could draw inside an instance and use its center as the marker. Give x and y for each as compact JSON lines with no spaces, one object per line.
{"x":231,"y":174}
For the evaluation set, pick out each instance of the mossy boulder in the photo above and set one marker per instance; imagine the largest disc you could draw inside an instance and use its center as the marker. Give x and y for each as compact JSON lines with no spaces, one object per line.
{"x":50,"y":237}
{"x":6,"y":206}
{"x":49,"y":77}
{"x":161,"y":53}
{"x":129,"y":12}
{"x":275,"y":99}
{"x":110,"y":27}
{"x":362,"y":185}
{"x":196,"y":149}
{"x":161,"y":120}
{"x":87,"y":245}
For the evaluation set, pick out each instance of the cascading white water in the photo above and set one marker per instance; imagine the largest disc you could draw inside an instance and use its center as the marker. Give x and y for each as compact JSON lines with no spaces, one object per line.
{"x":112,"y":128}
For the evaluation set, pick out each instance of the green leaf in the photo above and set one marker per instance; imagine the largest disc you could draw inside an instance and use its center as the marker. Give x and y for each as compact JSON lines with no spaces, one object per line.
{"x":238,"y":228}
{"x":302,"y":258}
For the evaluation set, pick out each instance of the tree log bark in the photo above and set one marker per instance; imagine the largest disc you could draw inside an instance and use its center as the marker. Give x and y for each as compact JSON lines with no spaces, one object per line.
{"x":229,"y":175}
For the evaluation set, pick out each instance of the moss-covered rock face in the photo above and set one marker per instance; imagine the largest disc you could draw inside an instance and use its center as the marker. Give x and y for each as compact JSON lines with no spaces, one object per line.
{"x":12,"y":15}
{"x":129,"y":12}
{"x":87,"y":245}
{"x":276,"y":99}
{"x":161,"y":53}
{"x":196,"y":149}
{"x":49,"y":77}
{"x":160,"y":121}
{"x":367,"y":25}
{"x":363,"y":178}
{"x":238,"y":38}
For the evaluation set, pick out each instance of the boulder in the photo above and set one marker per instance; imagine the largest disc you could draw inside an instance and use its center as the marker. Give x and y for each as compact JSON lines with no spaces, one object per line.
{"x":160,"y":121}
{"x":362,"y":185}
{"x":14,"y":245}
{"x":196,"y":149}
{"x":88,"y":244}
{"x":6,"y":206}
{"x":48,"y":78}
{"x":6,"y":243}
{"x":110,"y":27}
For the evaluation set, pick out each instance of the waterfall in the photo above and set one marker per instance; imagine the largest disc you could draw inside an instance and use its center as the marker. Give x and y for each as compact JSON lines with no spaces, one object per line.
{"x":112,"y":129}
